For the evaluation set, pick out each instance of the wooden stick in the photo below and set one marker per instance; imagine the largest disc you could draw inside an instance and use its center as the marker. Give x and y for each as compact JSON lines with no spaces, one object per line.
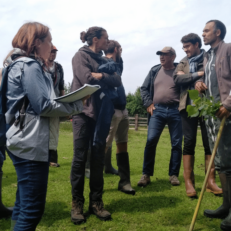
{"x":207,"y":174}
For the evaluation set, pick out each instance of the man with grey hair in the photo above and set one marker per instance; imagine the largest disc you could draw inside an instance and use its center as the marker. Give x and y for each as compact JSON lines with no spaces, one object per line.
{"x":161,"y":97}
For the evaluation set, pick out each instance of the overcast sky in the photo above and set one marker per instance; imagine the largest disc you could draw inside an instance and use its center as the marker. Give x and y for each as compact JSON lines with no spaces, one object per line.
{"x":141,"y":27}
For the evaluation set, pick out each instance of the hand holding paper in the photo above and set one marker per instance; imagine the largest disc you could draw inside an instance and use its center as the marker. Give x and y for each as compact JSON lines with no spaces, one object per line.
{"x":82,"y":93}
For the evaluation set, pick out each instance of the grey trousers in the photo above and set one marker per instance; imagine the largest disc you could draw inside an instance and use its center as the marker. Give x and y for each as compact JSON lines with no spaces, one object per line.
{"x":223,"y":155}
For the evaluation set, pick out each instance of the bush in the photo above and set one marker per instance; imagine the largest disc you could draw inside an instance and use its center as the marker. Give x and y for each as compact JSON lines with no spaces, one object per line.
{"x":135,"y":104}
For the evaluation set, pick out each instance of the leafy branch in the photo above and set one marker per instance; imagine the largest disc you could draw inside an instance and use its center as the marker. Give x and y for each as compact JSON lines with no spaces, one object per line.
{"x":202,"y":106}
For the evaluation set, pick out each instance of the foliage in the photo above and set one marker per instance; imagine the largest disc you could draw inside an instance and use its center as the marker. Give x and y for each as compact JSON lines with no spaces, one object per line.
{"x":135,"y":104}
{"x":202,"y":106}
{"x":67,"y":87}
{"x":159,"y":206}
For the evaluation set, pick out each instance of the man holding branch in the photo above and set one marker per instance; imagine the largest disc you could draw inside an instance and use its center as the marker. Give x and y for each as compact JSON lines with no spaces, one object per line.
{"x":217,"y":83}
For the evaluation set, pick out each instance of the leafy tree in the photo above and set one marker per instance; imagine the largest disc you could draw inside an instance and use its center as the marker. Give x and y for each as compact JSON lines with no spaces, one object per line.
{"x":135,"y":104}
{"x":67,"y":87}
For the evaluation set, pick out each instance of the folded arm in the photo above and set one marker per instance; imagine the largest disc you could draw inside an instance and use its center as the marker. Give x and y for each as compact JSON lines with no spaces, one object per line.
{"x":183,"y":79}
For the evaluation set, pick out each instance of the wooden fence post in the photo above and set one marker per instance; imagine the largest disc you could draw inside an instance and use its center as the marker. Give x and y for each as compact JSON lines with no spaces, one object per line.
{"x":136,"y":122}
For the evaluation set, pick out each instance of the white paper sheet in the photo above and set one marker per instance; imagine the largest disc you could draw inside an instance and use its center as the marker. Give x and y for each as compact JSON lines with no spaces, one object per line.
{"x":80,"y":93}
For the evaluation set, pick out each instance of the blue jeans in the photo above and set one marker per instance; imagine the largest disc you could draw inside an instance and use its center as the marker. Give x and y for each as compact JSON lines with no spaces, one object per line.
{"x":162,"y":115}
{"x":31,"y":192}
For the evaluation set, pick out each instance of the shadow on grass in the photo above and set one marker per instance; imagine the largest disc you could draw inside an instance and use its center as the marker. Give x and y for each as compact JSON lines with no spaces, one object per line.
{"x":9,"y":179}
{"x":158,"y":185}
{"x":154,"y":186}
{"x":202,"y":223}
{"x":210,"y":224}
{"x":55,"y":211}
{"x":142,"y":204}
{"x":5,"y":224}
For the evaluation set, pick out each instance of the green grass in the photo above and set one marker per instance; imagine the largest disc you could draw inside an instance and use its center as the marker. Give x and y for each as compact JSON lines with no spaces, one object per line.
{"x":159,"y":206}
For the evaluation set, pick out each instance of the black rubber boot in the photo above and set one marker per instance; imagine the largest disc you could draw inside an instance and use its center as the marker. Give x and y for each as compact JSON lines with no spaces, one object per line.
{"x":108,"y":169}
{"x":4,"y":212}
{"x":223,"y":210}
{"x":124,"y":173}
{"x":226,"y":223}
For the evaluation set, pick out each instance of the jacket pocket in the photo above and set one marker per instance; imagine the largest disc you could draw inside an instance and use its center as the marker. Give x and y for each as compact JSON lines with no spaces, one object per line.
{"x":224,"y":67}
{"x":15,"y":136}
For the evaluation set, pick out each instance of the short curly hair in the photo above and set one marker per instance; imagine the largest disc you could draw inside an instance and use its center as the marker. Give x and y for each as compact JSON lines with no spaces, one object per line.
{"x":192,"y":38}
{"x":111,"y":46}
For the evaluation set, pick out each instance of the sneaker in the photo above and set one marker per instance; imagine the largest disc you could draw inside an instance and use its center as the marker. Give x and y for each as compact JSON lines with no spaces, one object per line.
{"x":77,"y":216}
{"x":144,"y":180}
{"x":127,"y":189}
{"x":97,"y":208}
{"x":174,"y":180}
{"x":54,"y":164}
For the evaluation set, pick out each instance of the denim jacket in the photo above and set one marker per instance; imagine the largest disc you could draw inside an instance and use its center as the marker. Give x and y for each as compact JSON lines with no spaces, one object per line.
{"x":27,"y":79}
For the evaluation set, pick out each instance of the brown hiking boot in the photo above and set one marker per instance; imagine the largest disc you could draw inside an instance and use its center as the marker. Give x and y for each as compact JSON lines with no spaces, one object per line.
{"x":144,"y":180}
{"x":174,"y":180}
{"x":77,"y":216}
{"x":97,"y":208}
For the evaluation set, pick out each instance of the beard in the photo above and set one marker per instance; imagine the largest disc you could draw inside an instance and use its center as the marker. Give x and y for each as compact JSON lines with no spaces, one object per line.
{"x":210,"y":41}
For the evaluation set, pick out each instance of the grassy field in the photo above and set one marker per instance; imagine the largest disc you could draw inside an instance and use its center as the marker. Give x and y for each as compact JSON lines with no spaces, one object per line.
{"x":159,"y":206}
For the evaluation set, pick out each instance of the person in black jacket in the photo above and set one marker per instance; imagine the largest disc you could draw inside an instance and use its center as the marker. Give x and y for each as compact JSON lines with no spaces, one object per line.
{"x":161,"y":97}
{"x":119,"y":125}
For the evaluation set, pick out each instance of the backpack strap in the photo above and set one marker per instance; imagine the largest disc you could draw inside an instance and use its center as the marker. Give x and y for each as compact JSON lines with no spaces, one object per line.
{"x":22,"y":113}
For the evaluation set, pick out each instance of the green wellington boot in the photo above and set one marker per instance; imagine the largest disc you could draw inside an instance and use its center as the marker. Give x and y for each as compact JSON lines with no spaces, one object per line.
{"x":223,"y":210}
